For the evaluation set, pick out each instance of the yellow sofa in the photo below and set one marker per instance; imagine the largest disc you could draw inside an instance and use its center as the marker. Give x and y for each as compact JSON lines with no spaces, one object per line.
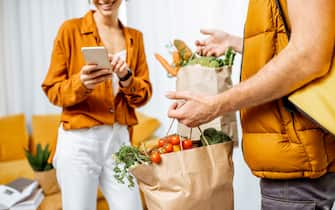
{"x":14,"y":137}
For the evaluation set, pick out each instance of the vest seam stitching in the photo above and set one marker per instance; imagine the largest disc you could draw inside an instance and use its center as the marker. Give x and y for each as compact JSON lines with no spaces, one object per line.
{"x":260,"y":33}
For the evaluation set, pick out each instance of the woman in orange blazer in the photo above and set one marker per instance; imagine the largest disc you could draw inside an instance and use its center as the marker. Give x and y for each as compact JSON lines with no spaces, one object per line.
{"x":98,"y":105}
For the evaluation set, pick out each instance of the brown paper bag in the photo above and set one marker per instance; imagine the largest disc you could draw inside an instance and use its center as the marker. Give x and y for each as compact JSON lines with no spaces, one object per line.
{"x":210,"y":81}
{"x":196,"y":179}
{"x":47,"y":181}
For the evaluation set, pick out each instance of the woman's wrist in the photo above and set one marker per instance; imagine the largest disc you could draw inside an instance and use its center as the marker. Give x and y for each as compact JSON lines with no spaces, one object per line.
{"x":127,"y":82}
{"x":126,"y":75}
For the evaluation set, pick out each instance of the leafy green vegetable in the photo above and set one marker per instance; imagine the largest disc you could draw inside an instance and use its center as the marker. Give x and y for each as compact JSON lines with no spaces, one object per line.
{"x":39,"y":161}
{"x":214,"y":136}
{"x":211,"y":61}
{"x":126,"y":158}
{"x":229,"y":57}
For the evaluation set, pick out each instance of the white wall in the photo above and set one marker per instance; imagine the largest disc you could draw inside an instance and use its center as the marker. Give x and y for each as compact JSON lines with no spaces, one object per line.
{"x":164,"y":20}
{"x":29,"y":28}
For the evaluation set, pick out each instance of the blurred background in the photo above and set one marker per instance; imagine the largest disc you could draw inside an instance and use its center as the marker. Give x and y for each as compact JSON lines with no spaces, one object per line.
{"x":28,"y":28}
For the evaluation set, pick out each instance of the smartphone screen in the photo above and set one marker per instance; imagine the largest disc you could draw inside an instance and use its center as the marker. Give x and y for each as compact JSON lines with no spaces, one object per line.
{"x":96,"y":55}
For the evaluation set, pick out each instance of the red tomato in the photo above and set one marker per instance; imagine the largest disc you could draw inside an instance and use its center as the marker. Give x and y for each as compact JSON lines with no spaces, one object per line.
{"x":168,"y":147}
{"x":187,"y":144}
{"x":175,"y":140}
{"x":161,"y":142}
{"x":155,"y":157}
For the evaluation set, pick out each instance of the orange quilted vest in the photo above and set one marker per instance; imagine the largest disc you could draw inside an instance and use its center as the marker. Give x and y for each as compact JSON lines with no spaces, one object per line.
{"x":278,"y":144}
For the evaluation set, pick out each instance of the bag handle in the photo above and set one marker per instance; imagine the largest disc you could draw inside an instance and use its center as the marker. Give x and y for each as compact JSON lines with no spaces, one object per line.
{"x":190,"y":135}
{"x":169,"y":129}
{"x":202,"y":133}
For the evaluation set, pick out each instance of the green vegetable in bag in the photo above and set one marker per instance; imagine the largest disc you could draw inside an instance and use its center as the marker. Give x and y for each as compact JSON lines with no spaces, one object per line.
{"x":126,"y":158}
{"x":214,"y":136}
{"x":211,"y":61}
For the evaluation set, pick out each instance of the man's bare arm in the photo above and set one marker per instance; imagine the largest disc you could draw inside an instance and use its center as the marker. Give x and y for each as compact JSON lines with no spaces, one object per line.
{"x":306,"y":57}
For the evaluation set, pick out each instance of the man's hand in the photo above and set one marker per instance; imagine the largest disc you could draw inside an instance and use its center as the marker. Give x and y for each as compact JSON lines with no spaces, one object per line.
{"x":195,"y":110}
{"x":90,"y":76}
{"x":217,"y":43}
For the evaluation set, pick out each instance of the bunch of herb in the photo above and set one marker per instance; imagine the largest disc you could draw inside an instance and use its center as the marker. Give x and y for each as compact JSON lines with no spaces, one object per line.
{"x":126,"y":158}
{"x":229,"y":57}
{"x":214,"y":62}
{"x":213,"y":136}
{"x":207,"y":61}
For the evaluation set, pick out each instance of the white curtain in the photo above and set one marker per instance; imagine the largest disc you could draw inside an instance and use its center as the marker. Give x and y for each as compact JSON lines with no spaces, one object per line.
{"x":27,"y":31}
{"x":2,"y":81}
{"x":164,"y":20}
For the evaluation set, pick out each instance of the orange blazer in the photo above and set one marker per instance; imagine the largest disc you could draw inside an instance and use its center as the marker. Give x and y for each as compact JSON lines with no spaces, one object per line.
{"x":83,"y":108}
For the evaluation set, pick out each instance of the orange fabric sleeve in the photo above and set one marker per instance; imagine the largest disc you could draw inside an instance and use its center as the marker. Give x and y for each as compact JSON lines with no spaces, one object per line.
{"x":139,"y":90}
{"x":61,"y":89}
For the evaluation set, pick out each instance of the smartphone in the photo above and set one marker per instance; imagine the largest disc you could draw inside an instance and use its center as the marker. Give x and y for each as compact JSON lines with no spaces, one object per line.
{"x":96,"y":55}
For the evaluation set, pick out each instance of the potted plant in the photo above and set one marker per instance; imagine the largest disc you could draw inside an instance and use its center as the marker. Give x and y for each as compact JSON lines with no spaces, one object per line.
{"x":45,"y":173}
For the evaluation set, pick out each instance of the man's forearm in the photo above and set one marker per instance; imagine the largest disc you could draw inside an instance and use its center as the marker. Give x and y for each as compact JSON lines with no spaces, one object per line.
{"x":306,"y":57}
{"x":290,"y":70}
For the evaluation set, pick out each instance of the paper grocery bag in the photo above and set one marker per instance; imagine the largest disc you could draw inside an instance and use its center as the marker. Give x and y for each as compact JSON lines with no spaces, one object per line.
{"x":209,"y":81}
{"x":195,"y":179}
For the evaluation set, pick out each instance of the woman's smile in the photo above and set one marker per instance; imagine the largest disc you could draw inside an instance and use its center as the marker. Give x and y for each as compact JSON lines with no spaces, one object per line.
{"x":106,"y":5}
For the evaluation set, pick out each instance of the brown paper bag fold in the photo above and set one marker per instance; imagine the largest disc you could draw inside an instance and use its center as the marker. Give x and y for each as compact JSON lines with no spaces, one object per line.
{"x":209,"y":81}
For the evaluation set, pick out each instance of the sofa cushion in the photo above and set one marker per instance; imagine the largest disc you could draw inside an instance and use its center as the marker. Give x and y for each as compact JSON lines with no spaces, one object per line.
{"x":11,"y":170}
{"x":13,"y":137}
{"x":44,"y":131}
{"x":145,"y":128}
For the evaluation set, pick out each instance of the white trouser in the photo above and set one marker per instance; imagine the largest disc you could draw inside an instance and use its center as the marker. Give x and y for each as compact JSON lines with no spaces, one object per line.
{"x":83,"y":160}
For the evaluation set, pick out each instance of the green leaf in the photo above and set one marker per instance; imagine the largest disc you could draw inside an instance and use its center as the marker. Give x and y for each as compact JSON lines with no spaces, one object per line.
{"x":46,"y":155}
{"x":125,"y":158}
{"x":39,"y":157}
{"x":39,"y":161}
{"x":48,"y":167}
{"x":213,"y":136}
{"x":31,"y":159}
{"x":231,"y":59}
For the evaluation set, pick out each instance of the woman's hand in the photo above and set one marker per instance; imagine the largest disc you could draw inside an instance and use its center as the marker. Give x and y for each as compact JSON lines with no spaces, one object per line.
{"x":217,"y":43}
{"x":91,"y":76}
{"x":195,"y":110}
{"x":120,"y":68}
